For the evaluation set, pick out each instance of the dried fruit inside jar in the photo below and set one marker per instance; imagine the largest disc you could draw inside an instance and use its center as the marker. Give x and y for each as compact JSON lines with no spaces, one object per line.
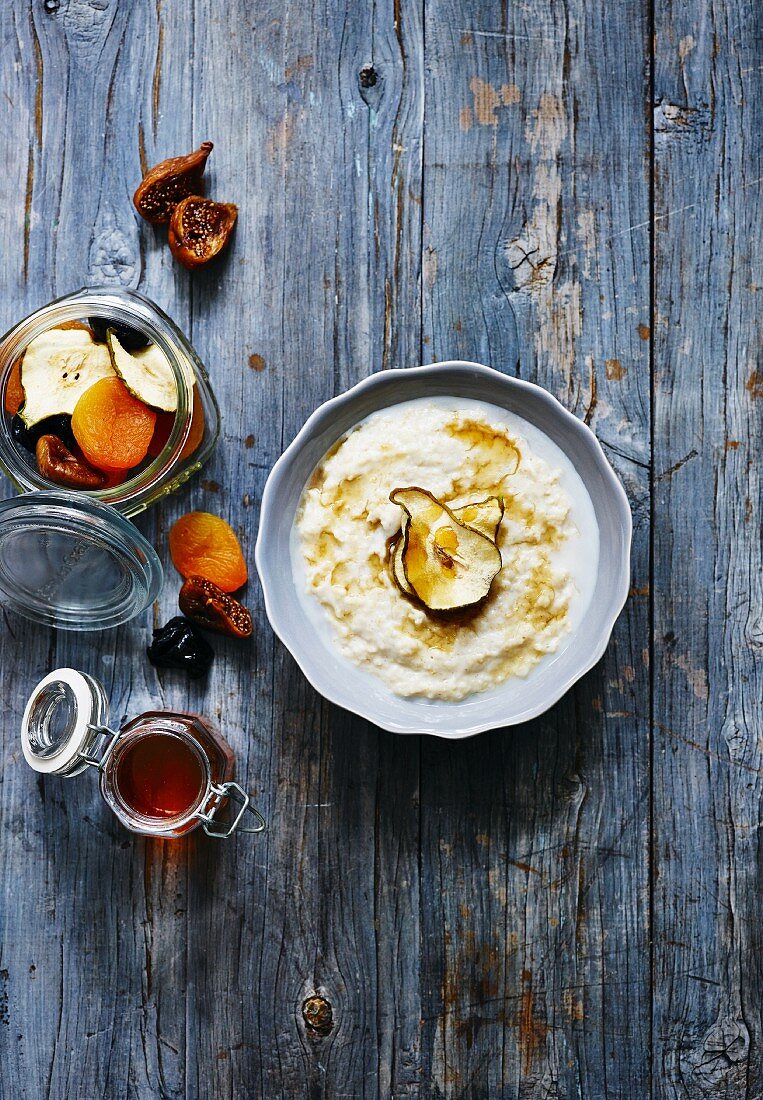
{"x":123,"y":390}
{"x":112,"y":427}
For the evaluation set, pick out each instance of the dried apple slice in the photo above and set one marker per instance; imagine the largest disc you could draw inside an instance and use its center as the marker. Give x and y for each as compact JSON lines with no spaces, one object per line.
{"x":57,"y":368}
{"x":449,"y":566}
{"x":147,"y":373}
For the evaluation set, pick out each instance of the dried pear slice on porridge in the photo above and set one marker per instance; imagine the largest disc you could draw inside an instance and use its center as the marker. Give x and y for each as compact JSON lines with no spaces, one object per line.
{"x":396,"y":561}
{"x":483,"y":516}
{"x":449,"y":566}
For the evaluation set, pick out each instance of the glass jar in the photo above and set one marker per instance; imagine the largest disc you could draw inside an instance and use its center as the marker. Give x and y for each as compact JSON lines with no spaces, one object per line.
{"x":162,"y":774}
{"x":69,"y":558}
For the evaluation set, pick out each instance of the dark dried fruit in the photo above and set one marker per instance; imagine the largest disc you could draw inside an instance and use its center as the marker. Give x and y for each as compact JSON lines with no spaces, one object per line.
{"x":200,"y":229}
{"x":214,"y":609}
{"x":57,"y":463}
{"x":178,"y":644}
{"x":163,"y":186}
{"x":59,"y":425}
{"x":130,"y":338}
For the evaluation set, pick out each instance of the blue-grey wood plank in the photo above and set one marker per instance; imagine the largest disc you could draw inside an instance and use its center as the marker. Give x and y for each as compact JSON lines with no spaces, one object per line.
{"x":416,"y":180}
{"x":535,"y":841}
{"x":708,"y":764}
{"x":75,"y":911}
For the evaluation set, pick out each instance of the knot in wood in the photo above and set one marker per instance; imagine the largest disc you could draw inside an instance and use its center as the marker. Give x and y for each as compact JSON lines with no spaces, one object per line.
{"x":367,"y":76}
{"x":50,"y":7}
{"x":318,"y":1015}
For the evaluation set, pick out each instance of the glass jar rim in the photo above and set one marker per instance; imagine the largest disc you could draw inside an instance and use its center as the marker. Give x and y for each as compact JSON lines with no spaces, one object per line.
{"x":126,"y":307}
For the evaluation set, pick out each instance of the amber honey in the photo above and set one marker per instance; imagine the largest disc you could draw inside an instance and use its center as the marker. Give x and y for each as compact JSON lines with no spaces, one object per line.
{"x":159,"y":776}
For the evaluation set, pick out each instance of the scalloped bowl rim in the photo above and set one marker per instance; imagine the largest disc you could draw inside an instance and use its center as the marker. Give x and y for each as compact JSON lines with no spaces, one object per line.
{"x":308,"y":659}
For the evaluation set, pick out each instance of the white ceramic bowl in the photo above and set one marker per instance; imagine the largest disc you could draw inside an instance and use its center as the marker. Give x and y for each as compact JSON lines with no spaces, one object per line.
{"x":308,"y":635}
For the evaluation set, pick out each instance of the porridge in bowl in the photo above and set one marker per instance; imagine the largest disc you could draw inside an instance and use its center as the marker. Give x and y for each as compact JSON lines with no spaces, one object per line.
{"x":450,"y":545}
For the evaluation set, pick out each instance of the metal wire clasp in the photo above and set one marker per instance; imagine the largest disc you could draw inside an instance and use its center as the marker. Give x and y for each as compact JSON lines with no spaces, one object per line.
{"x":232,"y":792}
{"x":111,"y":737}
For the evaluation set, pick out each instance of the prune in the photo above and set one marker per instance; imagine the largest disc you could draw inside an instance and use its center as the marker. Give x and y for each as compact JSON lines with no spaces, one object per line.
{"x":60,"y":426}
{"x":129,"y":338}
{"x":178,"y":644}
{"x":213,"y":609}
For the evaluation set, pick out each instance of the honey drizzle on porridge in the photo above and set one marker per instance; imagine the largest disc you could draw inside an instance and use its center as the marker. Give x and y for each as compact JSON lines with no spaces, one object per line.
{"x":530,"y":591}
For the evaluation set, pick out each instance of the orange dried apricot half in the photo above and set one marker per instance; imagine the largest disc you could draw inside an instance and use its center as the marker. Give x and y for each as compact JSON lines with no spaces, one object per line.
{"x":112,"y":428}
{"x":14,"y":391}
{"x":164,"y":425}
{"x":205,"y":545}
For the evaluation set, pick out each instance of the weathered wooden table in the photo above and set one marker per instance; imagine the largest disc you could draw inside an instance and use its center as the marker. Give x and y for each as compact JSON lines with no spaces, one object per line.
{"x":569,"y":190}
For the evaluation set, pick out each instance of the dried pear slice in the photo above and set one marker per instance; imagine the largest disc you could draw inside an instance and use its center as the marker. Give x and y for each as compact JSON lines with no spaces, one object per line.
{"x":396,"y":561}
{"x":449,"y":566}
{"x":484,"y":516}
{"x":58,"y":366}
{"x":147,"y":373}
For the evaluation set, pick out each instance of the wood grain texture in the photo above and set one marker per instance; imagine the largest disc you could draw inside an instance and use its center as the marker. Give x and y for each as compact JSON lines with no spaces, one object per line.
{"x":708,"y":775}
{"x":568,"y":909}
{"x":535,"y":876}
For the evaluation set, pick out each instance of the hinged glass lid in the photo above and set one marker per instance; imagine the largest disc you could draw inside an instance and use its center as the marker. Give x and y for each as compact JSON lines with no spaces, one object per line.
{"x":71,"y":562}
{"x":64,"y":724}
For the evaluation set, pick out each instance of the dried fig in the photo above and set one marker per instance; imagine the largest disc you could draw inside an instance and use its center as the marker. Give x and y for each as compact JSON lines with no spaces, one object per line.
{"x":57,"y":463}
{"x":200,"y":229}
{"x":163,"y":186}
{"x":208,"y":606}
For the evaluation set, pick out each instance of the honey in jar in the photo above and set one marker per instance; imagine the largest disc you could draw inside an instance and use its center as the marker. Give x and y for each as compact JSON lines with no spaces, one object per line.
{"x":162,"y":774}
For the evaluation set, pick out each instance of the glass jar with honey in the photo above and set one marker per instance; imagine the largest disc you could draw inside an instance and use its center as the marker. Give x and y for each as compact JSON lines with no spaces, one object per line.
{"x":162,"y":774}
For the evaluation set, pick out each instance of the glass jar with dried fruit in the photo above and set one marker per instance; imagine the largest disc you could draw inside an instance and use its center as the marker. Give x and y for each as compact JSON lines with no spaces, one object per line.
{"x":105,"y":408}
{"x":162,"y":774}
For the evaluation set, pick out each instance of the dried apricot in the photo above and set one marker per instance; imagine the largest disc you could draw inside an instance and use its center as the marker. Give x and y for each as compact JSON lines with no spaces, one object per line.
{"x":205,"y":545}
{"x":112,"y":427}
{"x":164,"y":425}
{"x":14,"y":391}
{"x":114,"y":478}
